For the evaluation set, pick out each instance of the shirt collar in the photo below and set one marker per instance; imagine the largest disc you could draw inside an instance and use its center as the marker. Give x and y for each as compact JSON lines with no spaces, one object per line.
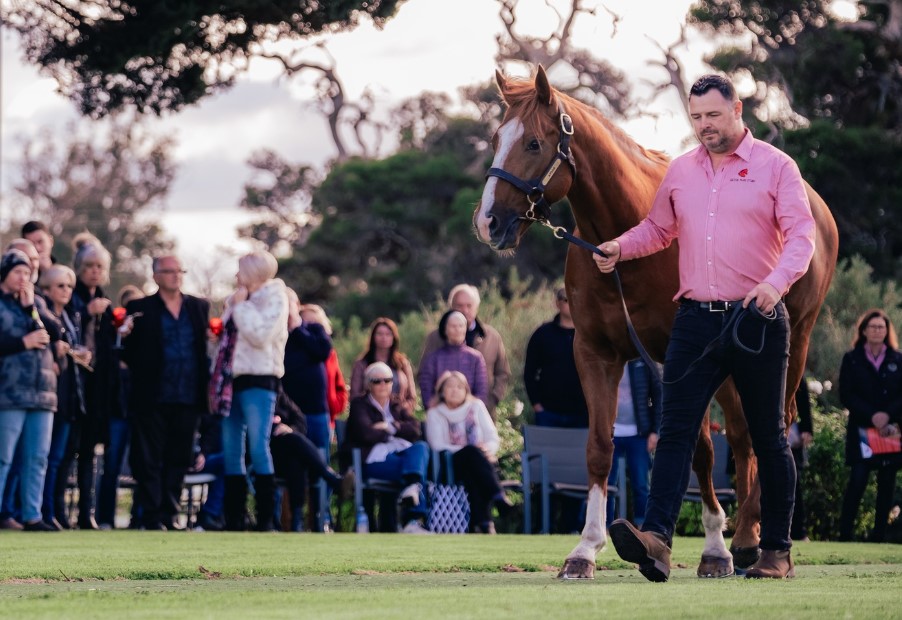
{"x":743,"y":151}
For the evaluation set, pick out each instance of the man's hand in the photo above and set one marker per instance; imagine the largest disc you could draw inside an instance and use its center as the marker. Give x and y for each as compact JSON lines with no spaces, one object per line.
{"x":611,"y":250}
{"x":765,"y":297}
{"x":98,"y":305}
{"x":26,"y":295}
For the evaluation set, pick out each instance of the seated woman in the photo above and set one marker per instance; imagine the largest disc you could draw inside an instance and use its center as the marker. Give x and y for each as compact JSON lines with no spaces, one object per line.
{"x":389,"y":438}
{"x":460,"y":423}
{"x":296,"y":458}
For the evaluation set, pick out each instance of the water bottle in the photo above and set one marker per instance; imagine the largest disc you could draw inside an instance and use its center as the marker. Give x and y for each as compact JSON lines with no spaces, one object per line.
{"x":363,"y":521}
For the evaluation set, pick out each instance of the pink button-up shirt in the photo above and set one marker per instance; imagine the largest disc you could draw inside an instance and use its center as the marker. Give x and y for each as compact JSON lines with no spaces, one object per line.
{"x":748,"y":222}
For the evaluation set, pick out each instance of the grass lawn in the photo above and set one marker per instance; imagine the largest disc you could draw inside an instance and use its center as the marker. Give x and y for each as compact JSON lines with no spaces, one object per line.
{"x":126,"y":574}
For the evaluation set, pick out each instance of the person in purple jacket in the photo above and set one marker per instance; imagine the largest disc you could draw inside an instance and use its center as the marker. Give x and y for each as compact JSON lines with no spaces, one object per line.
{"x":453,"y":355}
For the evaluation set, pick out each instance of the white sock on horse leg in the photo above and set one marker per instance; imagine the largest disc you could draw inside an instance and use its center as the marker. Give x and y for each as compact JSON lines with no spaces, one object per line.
{"x":594,"y":536}
{"x":715,"y":523}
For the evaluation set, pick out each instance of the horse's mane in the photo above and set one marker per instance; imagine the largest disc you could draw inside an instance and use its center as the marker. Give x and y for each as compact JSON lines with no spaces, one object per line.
{"x":520,"y":94}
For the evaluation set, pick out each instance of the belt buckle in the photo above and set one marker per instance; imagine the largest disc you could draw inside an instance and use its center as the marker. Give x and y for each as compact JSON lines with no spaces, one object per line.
{"x":718,"y":306}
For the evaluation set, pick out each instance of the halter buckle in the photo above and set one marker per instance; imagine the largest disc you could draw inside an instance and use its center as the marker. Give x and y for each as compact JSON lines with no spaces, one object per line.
{"x":566,"y":124}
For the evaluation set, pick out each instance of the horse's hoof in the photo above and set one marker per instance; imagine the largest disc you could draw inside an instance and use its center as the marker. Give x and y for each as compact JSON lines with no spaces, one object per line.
{"x":577,"y":568}
{"x":743,"y":557}
{"x":712,"y":567}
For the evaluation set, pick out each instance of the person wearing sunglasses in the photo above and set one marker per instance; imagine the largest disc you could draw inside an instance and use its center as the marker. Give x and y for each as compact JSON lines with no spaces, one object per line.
{"x":390,"y":439}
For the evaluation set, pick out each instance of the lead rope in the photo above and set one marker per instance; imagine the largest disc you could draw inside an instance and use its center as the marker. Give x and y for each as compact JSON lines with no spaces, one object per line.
{"x":735,"y":318}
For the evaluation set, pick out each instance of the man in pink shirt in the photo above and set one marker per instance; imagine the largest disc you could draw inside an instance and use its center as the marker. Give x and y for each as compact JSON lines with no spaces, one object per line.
{"x":746,"y":234}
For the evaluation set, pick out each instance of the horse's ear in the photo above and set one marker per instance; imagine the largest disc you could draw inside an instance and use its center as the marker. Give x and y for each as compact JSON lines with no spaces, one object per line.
{"x":543,"y":86}
{"x":500,"y":80}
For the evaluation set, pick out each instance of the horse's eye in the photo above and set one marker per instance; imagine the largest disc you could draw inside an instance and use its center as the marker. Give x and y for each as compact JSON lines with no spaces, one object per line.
{"x":533,"y":145}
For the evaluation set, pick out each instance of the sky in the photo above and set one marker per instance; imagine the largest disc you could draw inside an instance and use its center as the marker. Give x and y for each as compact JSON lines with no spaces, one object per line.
{"x":431,"y":45}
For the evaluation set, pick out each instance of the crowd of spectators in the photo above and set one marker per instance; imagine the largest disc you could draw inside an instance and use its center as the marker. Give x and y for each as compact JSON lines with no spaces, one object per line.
{"x":157,"y":387}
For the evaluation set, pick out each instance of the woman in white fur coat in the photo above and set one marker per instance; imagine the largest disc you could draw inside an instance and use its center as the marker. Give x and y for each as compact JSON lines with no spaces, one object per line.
{"x":259,"y":309}
{"x":460,"y":423}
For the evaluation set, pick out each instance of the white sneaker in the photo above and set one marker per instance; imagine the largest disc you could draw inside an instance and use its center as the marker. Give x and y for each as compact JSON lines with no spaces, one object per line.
{"x":411,"y":493}
{"x":415,"y":527}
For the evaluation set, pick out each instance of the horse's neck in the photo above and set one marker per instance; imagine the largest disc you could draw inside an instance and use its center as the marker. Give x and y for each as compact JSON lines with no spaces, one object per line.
{"x":615,"y":181}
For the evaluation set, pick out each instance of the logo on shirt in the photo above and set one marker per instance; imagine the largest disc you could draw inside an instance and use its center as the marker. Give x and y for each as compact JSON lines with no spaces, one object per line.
{"x":742,"y":177}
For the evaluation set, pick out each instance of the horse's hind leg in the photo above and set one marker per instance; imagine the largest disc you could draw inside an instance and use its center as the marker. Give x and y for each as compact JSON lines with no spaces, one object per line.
{"x":747,"y":520}
{"x":716,"y":559}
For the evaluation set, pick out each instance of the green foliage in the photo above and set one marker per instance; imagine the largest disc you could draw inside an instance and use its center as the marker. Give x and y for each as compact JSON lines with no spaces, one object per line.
{"x":162,"y":56}
{"x":785,"y":44}
{"x":856,"y":171}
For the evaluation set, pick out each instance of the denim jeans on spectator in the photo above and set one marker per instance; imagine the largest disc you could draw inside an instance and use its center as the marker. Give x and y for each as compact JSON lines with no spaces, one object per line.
{"x":58,"y":441}
{"x":113,"y":459}
{"x":35,"y":428}
{"x":409,"y":463}
{"x":251,"y":416}
{"x":318,"y":430}
{"x":761,"y":383}
{"x":214,"y":464}
{"x":638,"y":463}
{"x":11,"y":507}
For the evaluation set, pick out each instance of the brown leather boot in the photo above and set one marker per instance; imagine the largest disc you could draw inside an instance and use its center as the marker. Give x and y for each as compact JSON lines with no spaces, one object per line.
{"x":772,"y":565}
{"x":647,"y":549}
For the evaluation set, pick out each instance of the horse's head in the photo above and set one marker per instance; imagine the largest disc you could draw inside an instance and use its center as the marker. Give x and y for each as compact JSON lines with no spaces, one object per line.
{"x":526,"y":175}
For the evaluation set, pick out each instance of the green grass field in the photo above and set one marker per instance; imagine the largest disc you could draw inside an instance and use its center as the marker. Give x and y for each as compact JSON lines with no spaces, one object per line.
{"x":126,"y":574}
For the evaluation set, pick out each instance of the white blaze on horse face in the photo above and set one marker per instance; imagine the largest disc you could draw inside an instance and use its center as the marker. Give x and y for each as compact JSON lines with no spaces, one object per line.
{"x":508,"y":135}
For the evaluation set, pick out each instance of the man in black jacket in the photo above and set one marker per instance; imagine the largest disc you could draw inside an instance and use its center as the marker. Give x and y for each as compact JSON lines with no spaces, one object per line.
{"x":166,"y":353}
{"x":549,"y":372}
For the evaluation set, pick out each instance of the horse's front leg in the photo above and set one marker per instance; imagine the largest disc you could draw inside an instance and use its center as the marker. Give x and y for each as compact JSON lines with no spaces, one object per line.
{"x":601,"y":398}
{"x":716,"y":559}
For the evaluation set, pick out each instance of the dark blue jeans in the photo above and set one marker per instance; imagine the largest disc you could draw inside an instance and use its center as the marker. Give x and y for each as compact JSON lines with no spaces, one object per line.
{"x":113,"y":460}
{"x":761,"y":382}
{"x":55,"y":458}
{"x":634,"y":450}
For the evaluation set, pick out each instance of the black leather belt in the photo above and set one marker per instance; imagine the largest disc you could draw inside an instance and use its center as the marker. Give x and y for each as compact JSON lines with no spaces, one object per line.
{"x":711,"y":306}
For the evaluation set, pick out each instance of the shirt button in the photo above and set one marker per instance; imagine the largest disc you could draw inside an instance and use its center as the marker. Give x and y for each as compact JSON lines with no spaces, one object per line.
{"x":711,"y":214}
{"x":709,"y":238}
{"x":714,"y":190}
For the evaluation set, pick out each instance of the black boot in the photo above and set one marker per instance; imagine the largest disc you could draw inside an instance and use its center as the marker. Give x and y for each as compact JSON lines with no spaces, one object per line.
{"x":235,"y":503}
{"x":264,"y":494}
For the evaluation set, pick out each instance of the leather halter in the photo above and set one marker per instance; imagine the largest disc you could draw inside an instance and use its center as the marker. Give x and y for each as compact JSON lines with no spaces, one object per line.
{"x":535,"y":188}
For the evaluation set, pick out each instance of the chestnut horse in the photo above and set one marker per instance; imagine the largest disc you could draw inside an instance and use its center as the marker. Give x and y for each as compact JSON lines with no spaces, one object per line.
{"x":567,"y":148}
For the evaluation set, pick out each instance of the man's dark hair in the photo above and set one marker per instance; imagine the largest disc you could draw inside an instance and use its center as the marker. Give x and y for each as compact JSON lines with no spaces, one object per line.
{"x":33,"y":226}
{"x":712,"y":81}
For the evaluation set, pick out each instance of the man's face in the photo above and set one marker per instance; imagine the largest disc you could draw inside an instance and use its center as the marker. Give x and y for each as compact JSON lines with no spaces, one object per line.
{"x":168,"y":275}
{"x":717,"y":121}
{"x":43,"y":243}
{"x":464,"y":303}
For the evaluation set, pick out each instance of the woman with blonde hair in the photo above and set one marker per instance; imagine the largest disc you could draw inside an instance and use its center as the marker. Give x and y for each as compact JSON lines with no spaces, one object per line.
{"x":385,"y":346}
{"x":460,"y":423}
{"x":94,"y":311}
{"x":258,"y":310}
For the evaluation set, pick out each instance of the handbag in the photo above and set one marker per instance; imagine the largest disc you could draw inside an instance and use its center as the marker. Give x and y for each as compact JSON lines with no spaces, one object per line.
{"x":450,"y":509}
{"x":219,"y":389}
{"x":873,"y":444}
